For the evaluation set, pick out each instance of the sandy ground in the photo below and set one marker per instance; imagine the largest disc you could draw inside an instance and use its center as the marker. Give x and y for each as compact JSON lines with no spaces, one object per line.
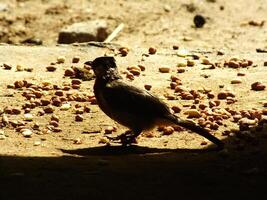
{"x":75,"y":165}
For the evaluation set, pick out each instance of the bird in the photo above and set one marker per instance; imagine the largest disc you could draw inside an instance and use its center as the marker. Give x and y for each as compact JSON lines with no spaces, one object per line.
{"x":133,"y":107}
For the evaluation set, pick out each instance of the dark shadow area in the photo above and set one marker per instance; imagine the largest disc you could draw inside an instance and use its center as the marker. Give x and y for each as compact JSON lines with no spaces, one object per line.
{"x":131,"y":150}
{"x":136,"y":172}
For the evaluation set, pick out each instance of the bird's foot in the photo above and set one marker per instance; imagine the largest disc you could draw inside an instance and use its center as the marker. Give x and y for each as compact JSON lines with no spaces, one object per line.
{"x":125,"y":139}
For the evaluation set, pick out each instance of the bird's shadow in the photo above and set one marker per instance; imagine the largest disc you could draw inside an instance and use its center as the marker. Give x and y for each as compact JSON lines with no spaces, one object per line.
{"x":132,"y":150}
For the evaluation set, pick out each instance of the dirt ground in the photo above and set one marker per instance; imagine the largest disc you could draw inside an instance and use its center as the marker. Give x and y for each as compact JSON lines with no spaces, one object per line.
{"x":75,"y":163}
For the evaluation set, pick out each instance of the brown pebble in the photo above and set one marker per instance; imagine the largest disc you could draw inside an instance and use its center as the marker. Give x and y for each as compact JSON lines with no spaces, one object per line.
{"x":78,"y":118}
{"x":86,"y":109}
{"x":45,"y":102}
{"x":180,"y":70}
{"x":15,"y":111}
{"x":56,"y":129}
{"x":75,"y":59}
{"x":236,"y":81}
{"x":54,"y":118}
{"x":59,"y":93}
{"x":233,"y":64}
{"x":176,"y":109}
{"x":168,"y":130}
{"x":265,"y":63}
{"x":123,"y":51}
{"x":48,"y":109}
{"x":241,"y":74}
{"x":164,"y":69}
{"x":75,"y":86}
{"x":19,"y":84}
{"x":7,"y":66}
{"x":175,"y":47}
{"x":152,"y":50}
{"x":69,"y":72}
{"x":76,"y":82}
{"x":257,"y":86}
{"x":54,"y":123}
{"x":51,"y":68}
{"x":143,"y":68}
{"x":147,"y":86}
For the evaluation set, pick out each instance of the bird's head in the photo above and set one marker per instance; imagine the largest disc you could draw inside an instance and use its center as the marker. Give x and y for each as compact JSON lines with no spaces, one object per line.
{"x":103,"y":66}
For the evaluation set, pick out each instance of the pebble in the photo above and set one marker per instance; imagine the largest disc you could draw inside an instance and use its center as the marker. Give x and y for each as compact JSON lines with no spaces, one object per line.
{"x":75,"y":59}
{"x":236,"y":81}
{"x":69,"y":72}
{"x":190,"y":63}
{"x":241,"y":74}
{"x":168,"y":130}
{"x":78,"y":118}
{"x":7,"y":66}
{"x":51,"y":68}
{"x":61,"y":59}
{"x":180,"y":70}
{"x":124,"y":51}
{"x":76,"y":82}
{"x":26,"y":132}
{"x":147,"y":86}
{"x":48,"y":109}
{"x":257,"y":86}
{"x":193,"y":113}
{"x":182,"y":53}
{"x":28,"y":117}
{"x":109,"y":130}
{"x":152,"y":50}
{"x":199,"y":21}
{"x":176,"y":109}
{"x":65,"y":106}
{"x":164,"y":69}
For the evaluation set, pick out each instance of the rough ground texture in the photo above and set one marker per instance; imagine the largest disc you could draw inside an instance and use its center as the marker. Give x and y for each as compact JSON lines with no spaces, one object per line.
{"x":74,"y":165}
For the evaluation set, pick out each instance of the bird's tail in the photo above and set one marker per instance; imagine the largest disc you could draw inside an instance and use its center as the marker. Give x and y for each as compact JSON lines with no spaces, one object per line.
{"x":197,"y":129}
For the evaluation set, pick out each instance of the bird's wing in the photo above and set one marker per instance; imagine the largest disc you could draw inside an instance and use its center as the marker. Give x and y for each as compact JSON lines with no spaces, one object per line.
{"x":126,"y":98}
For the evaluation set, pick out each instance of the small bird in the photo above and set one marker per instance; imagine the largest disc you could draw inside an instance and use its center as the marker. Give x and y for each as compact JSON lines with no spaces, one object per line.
{"x":132,"y":107}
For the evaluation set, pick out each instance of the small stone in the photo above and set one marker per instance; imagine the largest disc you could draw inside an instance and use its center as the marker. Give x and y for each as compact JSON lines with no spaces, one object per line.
{"x":175,"y":47}
{"x":54,"y":118}
{"x":241,"y":74}
{"x":168,"y":130}
{"x":176,"y":109}
{"x":75,"y":86}
{"x":164,"y":69}
{"x":51,"y":68}
{"x":124,"y":51}
{"x":182,"y":53}
{"x":236,"y":81}
{"x":75,"y":59}
{"x":61,"y":59}
{"x":222,"y":95}
{"x":37,"y":143}
{"x":190,"y":63}
{"x":193,"y":113}
{"x":48,"y":109}
{"x":59,"y":93}
{"x":16,"y":111}
{"x":26,"y":132}
{"x":233,"y":64}
{"x":257,"y":86}
{"x":199,"y":21}
{"x":265,"y":63}
{"x":65,"y":106}
{"x":54,"y":123}
{"x":78,"y":118}
{"x":206,"y":61}
{"x":69,"y":72}
{"x":7,"y":66}
{"x":76,"y":82}
{"x":152,"y":50}
{"x":180,"y":70}
{"x":19,"y":84}
{"x":28,"y":117}
{"x":147,"y":86}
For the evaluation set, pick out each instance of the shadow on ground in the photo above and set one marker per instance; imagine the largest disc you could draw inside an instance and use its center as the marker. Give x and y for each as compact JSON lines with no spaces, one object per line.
{"x":139,"y":173}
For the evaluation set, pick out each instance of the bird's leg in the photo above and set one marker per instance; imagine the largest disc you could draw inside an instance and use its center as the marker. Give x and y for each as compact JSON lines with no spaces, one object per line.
{"x":126,"y":138}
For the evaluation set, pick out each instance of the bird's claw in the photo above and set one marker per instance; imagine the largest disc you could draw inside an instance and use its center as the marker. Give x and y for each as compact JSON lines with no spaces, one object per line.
{"x":125,"y":139}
